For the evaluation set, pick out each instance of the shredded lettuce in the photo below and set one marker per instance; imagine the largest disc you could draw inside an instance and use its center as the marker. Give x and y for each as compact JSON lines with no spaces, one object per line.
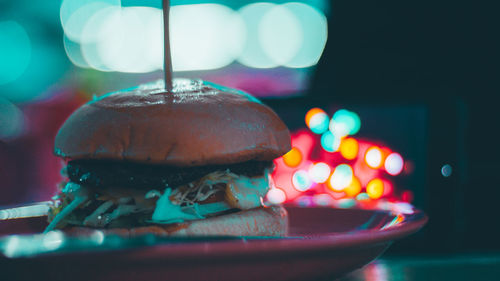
{"x":170,"y":206}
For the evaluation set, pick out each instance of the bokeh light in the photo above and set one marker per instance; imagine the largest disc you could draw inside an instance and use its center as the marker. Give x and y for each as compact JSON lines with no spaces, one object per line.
{"x":349,"y":148}
{"x":346,"y":203}
{"x":341,"y":177}
{"x":74,"y":53}
{"x":75,"y":15}
{"x":319,"y":172}
{"x":407,"y":196}
{"x":126,"y":39}
{"x":330,"y":142}
{"x":394,"y":164}
{"x":354,"y":188}
{"x":319,"y":123}
{"x":15,"y":51}
{"x":293,"y":158}
{"x":314,"y":29}
{"x":280,"y":34}
{"x":253,"y":54}
{"x":276,"y":196}
{"x":204,"y":36}
{"x":362,"y":196}
{"x":344,"y":122}
{"x":446,"y":170}
{"x":301,"y":180}
{"x":355,"y":175}
{"x":373,"y":157}
{"x":323,"y":199}
{"x":311,"y":112}
{"x":375,"y":188}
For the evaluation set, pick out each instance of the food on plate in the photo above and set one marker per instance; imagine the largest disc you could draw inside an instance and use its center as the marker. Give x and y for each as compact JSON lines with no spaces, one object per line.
{"x":193,"y":161}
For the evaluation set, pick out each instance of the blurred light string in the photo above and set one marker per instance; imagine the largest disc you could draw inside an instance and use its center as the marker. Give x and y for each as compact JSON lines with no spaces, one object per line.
{"x":103,"y":35}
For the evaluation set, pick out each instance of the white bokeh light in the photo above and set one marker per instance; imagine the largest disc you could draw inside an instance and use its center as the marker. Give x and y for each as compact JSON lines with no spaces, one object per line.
{"x":373,"y":157}
{"x":75,"y":15}
{"x":202,"y":36}
{"x":276,"y":196}
{"x":341,"y":177}
{"x":394,"y":164}
{"x":74,"y":53}
{"x":280,"y":34}
{"x":253,"y":54}
{"x":314,"y":28}
{"x":126,"y":46}
{"x":319,"y":172}
{"x":205,"y":36}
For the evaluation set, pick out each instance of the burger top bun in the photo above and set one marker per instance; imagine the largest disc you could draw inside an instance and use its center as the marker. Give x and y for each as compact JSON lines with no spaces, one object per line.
{"x":200,"y":123}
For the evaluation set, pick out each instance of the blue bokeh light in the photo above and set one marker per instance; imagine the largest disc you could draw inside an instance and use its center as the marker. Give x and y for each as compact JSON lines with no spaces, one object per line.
{"x":15,"y":51}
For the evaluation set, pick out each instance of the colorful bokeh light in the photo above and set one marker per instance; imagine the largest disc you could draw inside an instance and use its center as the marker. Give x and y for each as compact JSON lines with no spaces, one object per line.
{"x":319,"y":172}
{"x":258,"y":35}
{"x":276,"y":196}
{"x":362,"y":196}
{"x":330,"y":142}
{"x":344,"y":122}
{"x":394,"y":164}
{"x":373,"y":157}
{"x":341,"y":177}
{"x":318,"y":122}
{"x":375,"y":188}
{"x":323,"y":199}
{"x":301,"y":180}
{"x":293,"y":157}
{"x":330,"y":167}
{"x":349,"y":148}
{"x":354,"y":188}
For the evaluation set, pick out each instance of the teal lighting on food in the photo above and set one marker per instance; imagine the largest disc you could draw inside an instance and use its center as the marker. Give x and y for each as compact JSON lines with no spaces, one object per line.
{"x":15,"y":51}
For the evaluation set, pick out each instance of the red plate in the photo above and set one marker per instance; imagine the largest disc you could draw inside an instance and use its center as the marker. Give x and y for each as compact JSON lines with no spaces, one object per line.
{"x":323,"y":243}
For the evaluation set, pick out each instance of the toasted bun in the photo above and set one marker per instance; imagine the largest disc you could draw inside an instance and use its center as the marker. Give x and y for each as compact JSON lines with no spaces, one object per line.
{"x":198,"y":124}
{"x":272,"y":221}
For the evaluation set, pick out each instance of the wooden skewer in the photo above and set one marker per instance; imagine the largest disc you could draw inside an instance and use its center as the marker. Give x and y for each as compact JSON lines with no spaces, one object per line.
{"x":167,"y":57}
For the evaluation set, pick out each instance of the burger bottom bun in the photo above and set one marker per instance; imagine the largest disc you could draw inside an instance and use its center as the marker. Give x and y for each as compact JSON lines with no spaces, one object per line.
{"x":270,"y":221}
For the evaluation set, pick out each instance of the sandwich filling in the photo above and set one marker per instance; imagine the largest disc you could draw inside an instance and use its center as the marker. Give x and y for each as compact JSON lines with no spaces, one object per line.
{"x":217,"y":192}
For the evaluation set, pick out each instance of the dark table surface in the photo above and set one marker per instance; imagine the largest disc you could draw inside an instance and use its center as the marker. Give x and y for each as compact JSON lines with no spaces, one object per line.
{"x":456,"y":268}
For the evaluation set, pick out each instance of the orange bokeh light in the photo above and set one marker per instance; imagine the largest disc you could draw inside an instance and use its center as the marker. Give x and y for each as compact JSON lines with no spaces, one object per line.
{"x":349,"y":148}
{"x":312,"y":112}
{"x":293,"y":157}
{"x":375,"y":188}
{"x":354,"y":188}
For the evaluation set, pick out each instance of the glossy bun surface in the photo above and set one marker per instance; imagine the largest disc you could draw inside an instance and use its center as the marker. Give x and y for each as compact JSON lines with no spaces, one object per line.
{"x":200,"y":123}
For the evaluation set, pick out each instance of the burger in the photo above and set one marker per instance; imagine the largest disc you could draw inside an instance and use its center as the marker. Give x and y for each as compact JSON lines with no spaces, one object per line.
{"x":192,"y":161}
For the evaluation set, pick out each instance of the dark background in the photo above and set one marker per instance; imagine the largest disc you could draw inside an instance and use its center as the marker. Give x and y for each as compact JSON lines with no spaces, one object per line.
{"x":442,"y":55}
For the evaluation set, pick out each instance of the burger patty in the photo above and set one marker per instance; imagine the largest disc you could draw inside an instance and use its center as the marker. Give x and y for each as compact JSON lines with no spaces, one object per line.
{"x":102,"y":173}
